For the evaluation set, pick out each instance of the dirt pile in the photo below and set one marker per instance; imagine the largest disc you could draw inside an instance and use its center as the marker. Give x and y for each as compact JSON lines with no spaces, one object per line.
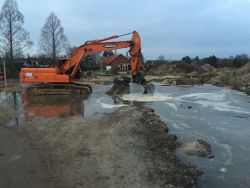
{"x":174,"y":69}
{"x":190,"y":74}
{"x":127,"y":148}
{"x":198,"y":148}
{"x":161,"y":69}
{"x":244,"y":77}
{"x":6,"y":115}
{"x":208,"y":69}
{"x":245,"y":73}
{"x":223,"y":77}
{"x":181,"y":74}
{"x":238,"y":79}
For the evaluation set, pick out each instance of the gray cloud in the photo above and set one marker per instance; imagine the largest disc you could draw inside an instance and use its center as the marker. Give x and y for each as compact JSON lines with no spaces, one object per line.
{"x":172,"y":28}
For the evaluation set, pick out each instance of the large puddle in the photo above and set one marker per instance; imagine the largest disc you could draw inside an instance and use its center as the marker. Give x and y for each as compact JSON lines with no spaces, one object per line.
{"x":58,"y":106}
{"x":217,"y":115}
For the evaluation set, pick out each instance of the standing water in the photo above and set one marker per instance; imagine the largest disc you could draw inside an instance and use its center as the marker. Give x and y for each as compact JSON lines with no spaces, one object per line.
{"x":58,"y":106}
{"x":217,"y":115}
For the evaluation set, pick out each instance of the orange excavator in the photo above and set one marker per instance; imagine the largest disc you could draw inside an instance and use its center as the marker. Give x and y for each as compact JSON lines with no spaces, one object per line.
{"x":65,"y":76}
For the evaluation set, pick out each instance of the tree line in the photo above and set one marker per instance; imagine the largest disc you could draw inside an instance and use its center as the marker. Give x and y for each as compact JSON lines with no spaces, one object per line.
{"x":15,"y":39}
{"x":236,"y":62}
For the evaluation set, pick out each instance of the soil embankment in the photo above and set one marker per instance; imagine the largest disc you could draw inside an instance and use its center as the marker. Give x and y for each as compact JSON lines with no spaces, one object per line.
{"x":190,"y":74}
{"x":238,"y":79}
{"x":127,"y":148}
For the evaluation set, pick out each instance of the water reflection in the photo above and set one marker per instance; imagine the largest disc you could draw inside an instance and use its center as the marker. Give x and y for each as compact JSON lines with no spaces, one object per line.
{"x":31,"y":106}
{"x":58,"y":106}
{"x":52,"y":106}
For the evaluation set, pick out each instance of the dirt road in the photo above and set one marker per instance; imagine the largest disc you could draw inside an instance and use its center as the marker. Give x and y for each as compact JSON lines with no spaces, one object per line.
{"x":19,"y":165}
{"x":127,"y":148}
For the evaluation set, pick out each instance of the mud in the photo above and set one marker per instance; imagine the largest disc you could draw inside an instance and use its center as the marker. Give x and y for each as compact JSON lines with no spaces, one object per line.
{"x":199,"y":148}
{"x":20,"y":166}
{"x":127,"y":148}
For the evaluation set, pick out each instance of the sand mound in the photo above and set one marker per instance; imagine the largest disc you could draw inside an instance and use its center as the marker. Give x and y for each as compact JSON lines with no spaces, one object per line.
{"x":126,"y":148}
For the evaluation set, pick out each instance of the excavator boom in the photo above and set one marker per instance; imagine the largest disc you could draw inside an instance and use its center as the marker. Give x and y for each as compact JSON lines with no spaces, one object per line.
{"x":89,"y":49}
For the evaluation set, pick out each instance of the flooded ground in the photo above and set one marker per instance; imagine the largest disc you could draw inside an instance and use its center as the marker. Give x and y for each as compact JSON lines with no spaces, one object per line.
{"x":217,"y":115}
{"x":222,"y":118}
{"x":58,"y":106}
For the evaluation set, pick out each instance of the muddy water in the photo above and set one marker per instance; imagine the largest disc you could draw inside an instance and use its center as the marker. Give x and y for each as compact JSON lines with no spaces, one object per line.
{"x":30,"y":107}
{"x":219,"y":116}
{"x":58,"y":106}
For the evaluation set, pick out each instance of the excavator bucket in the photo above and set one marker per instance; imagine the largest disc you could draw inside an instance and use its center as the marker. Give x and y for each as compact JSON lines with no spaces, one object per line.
{"x":124,"y":86}
{"x":119,"y":87}
{"x":149,"y":88}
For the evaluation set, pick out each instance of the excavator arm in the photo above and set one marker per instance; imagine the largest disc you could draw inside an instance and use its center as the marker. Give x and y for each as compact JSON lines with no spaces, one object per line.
{"x":89,"y":49}
{"x":102,"y":45}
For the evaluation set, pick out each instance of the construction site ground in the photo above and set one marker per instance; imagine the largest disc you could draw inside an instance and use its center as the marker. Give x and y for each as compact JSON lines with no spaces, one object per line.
{"x":127,"y":148}
{"x":122,"y":147}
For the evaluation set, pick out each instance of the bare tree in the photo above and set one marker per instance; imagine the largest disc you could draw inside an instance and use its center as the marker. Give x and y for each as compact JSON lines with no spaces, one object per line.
{"x":14,"y":39}
{"x":53,"y":41}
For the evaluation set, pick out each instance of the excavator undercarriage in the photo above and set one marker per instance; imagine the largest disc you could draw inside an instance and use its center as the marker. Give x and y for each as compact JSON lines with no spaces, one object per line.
{"x":59,"y":89}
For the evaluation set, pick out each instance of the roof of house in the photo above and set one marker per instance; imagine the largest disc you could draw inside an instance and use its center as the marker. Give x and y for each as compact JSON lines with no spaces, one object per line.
{"x":110,"y":59}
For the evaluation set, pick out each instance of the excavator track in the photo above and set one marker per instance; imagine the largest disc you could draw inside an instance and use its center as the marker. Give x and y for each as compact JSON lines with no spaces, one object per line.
{"x":59,"y":89}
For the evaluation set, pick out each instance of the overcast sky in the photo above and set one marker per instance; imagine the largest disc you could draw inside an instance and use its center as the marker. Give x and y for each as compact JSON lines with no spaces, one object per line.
{"x":173,"y":28}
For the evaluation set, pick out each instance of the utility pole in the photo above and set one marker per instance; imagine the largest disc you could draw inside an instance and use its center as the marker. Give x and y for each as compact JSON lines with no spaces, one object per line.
{"x":4,"y":72}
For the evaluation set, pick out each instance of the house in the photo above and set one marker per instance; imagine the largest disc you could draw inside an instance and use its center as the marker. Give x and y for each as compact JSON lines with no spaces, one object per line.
{"x":118,"y":63}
